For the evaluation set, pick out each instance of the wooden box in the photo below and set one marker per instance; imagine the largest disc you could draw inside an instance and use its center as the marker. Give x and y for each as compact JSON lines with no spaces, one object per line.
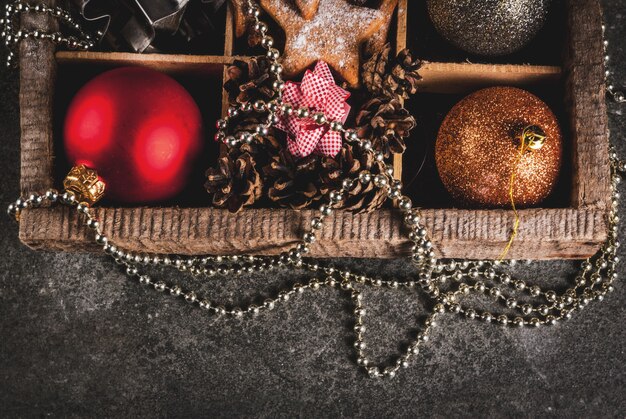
{"x":572,"y":228}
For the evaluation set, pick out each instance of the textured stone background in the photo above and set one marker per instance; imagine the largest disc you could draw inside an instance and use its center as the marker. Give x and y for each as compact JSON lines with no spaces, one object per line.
{"x":78,"y":339}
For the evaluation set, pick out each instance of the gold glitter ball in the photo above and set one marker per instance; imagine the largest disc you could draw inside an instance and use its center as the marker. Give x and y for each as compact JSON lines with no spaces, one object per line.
{"x":479,"y":143}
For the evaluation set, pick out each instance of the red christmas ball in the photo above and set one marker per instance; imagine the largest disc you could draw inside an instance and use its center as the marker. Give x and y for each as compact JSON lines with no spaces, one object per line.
{"x":139,"y":129}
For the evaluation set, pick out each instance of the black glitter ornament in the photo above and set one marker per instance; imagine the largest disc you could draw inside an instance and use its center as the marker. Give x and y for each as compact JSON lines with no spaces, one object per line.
{"x":488,"y":27}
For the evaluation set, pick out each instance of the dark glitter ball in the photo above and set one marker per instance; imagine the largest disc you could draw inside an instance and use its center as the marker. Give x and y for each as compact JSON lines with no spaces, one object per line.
{"x":488,"y":27}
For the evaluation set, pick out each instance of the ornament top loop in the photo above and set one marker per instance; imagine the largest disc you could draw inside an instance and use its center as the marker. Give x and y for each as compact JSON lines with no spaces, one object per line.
{"x":85,"y":184}
{"x":533,"y":137}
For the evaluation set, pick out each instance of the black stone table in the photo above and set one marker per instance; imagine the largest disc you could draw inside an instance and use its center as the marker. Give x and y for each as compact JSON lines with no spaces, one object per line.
{"x":78,"y":339}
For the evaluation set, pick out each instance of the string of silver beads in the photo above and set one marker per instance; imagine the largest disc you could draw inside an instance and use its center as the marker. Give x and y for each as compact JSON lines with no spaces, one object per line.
{"x":479,"y":271}
{"x":462,"y":278}
{"x":12,"y":34}
{"x":617,"y":95}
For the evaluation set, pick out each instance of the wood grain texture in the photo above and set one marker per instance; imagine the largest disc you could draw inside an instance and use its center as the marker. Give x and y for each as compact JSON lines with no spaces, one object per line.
{"x":437,"y":77}
{"x":462,"y":78}
{"x":401,"y":18}
{"x":586,"y":98}
{"x":37,"y":78}
{"x":166,"y":63}
{"x":544,"y":233}
{"x":229,"y":40}
{"x":229,"y":35}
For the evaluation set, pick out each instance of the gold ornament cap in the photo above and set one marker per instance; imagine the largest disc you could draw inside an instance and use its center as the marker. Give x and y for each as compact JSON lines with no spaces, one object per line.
{"x":533,"y":137}
{"x":85,"y":184}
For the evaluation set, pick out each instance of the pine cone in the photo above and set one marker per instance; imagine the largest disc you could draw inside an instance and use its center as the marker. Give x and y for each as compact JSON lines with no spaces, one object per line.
{"x":249,"y":80}
{"x":404,"y":74}
{"x":235,"y":183}
{"x":348,"y":164}
{"x":374,"y":69}
{"x":391,"y":78}
{"x":295,"y":183}
{"x":263,"y":148}
{"x":385,"y":122}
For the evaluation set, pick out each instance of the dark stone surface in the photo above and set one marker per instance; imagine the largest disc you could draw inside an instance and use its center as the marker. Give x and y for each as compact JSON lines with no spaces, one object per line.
{"x":78,"y":339}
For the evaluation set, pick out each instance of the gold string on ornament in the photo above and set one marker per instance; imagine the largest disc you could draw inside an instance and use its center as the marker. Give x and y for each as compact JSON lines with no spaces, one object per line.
{"x":531,"y":139}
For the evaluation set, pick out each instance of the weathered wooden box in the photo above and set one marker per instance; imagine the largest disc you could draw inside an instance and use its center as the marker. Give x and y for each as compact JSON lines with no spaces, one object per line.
{"x":573,"y":228}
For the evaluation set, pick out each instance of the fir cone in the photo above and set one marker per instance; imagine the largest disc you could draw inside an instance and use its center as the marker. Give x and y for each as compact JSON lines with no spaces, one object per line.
{"x":374,"y":69}
{"x":405,"y":74}
{"x":235,"y":183}
{"x":263,"y":148}
{"x":247,"y":121}
{"x":294,"y":183}
{"x":249,"y":80}
{"x":348,"y":164}
{"x":385,"y":122}
{"x":391,"y":77}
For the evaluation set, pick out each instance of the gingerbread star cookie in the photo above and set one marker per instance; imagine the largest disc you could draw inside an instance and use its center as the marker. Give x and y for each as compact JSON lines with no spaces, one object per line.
{"x":378,"y":41}
{"x":334,"y":34}
{"x":307,"y":8}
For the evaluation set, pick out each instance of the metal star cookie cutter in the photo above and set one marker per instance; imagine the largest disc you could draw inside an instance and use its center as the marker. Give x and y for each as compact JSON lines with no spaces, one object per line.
{"x":138,"y":21}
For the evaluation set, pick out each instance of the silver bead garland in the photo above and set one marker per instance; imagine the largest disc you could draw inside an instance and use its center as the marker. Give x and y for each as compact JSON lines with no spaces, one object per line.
{"x":447,"y":284}
{"x":12,"y":34}
{"x":617,"y":95}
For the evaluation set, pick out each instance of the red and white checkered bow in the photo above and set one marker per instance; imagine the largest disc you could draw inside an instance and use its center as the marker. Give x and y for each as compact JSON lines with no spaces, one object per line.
{"x":319,"y":92}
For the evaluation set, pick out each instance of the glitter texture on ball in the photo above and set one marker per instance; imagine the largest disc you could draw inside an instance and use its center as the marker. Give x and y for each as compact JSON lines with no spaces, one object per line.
{"x":488,"y":27}
{"x":478,"y":148}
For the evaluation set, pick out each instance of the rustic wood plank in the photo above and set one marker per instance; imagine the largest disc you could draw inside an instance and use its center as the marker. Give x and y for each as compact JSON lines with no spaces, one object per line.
{"x":437,"y":77}
{"x":229,"y":46}
{"x":461,"y":78}
{"x":166,"y":63}
{"x":586,"y":96}
{"x":37,"y":78}
{"x":229,"y":36}
{"x":544,"y":233}
{"x":401,"y":17}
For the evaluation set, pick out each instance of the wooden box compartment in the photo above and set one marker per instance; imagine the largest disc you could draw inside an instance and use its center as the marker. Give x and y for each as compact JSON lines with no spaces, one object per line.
{"x":571,"y":224}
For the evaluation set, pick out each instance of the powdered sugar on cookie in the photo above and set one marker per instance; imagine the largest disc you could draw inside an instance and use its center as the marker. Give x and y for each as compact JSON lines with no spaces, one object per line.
{"x":334,"y":34}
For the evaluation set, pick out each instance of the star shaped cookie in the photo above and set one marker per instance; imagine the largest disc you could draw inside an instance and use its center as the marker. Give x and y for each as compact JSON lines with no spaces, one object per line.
{"x":308,"y":8}
{"x":377,"y":42}
{"x":334,"y":34}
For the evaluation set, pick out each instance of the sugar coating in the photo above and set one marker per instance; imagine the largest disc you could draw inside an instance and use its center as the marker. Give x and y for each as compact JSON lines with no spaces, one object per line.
{"x":334,"y":34}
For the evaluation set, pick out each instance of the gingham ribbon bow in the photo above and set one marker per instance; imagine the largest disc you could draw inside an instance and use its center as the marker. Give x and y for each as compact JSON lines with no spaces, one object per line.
{"x":319,"y":92}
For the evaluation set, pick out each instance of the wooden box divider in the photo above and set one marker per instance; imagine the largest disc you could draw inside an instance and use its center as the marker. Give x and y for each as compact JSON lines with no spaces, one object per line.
{"x":574,"y":231}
